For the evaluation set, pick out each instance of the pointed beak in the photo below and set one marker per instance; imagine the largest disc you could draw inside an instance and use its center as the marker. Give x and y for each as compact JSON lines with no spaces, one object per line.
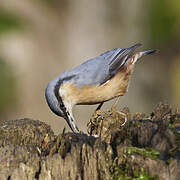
{"x":72,"y":123}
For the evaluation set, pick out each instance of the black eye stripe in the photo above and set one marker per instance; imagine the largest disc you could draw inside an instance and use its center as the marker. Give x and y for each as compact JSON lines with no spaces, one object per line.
{"x":56,"y":92}
{"x":62,"y":107}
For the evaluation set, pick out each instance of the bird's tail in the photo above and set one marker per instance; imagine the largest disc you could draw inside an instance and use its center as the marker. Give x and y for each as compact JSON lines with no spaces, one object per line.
{"x":148,"y":52}
{"x":141,"y":54}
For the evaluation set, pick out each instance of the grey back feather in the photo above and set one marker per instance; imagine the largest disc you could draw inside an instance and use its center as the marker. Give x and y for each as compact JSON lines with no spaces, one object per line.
{"x":98,"y":70}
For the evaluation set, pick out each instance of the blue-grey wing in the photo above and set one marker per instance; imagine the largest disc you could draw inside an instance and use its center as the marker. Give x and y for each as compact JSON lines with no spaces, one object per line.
{"x":102,"y":68}
{"x":118,"y":59}
{"x":92,"y":72}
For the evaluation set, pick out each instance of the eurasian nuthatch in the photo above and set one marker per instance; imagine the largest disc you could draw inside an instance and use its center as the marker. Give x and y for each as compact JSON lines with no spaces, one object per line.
{"x":93,"y":82}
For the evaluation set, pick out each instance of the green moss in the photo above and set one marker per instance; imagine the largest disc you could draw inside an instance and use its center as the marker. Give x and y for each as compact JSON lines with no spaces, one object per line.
{"x":123,"y":172}
{"x":177,"y":135}
{"x":174,"y":125}
{"x":142,"y":175}
{"x":148,"y":152}
{"x":119,"y":172}
{"x":176,"y":148}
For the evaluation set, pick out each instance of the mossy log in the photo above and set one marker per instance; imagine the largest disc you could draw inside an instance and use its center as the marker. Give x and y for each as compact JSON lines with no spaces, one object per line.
{"x":146,"y":147}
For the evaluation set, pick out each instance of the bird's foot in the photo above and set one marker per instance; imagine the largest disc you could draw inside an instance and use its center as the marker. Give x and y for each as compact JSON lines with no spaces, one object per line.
{"x":96,"y":114}
{"x":94,"y":122}
{"x":113,"y":109}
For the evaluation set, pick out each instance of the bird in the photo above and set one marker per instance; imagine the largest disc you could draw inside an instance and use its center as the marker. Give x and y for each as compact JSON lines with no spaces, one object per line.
{"x":95,"y":81}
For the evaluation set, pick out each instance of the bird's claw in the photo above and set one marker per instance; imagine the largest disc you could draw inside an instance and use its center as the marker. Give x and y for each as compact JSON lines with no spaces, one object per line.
{"x":96,"y":114}
{"x":94,"y":121}
{"x":113,"y":109}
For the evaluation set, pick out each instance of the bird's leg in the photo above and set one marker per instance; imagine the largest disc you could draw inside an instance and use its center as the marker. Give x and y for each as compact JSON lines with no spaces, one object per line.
{"x":99,"y":106}
{"x":97,"y":111}
{"x":114,"y":108}
{"x":94,"y":118}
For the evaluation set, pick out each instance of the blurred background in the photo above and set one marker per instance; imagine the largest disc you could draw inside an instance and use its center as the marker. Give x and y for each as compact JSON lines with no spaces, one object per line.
{"x":41,"y":39}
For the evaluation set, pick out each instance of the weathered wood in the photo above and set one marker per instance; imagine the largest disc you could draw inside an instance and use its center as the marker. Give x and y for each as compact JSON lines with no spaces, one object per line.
{"x":146,"y":147}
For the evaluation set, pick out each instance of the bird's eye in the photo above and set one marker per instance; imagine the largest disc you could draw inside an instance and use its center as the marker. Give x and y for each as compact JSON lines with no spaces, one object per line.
{"x":61,"y":105}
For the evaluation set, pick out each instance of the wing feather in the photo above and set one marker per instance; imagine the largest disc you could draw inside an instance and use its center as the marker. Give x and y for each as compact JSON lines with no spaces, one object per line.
{"x":118,"y":59}
{"x":100,"y":69}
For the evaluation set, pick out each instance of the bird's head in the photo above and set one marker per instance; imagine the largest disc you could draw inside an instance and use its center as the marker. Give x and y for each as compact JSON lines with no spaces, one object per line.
{"x":54,"y":101}
{"x":57,"y":106}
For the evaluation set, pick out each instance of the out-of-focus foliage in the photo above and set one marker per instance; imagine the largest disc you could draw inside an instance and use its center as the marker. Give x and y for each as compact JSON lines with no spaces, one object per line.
{"x":60,"y":34}
{"x":164,"y":21}
{"x":7,"y":85}
{"x":9,"y":22}
{"x":175,"y":80}
{"x":56,"y":3}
